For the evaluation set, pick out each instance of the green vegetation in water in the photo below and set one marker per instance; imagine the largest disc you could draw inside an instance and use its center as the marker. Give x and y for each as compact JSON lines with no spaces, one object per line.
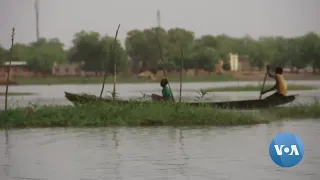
{"x":295,"y":112}
{"x":137,"y":114}
{"x":120,"y":79}
{"x":291,"y":87}
{"x":16,"y":94}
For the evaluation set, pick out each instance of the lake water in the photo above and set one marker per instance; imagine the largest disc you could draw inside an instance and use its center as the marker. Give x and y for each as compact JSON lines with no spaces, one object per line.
{"x":54,"y":94}
{"x":155,"y":153}
{"x":152,"y":153}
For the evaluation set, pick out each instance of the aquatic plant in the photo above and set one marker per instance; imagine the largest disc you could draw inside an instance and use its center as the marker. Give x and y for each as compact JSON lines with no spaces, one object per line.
{"x":201,"y":93}
{"x":112,"y":95}
{"x":144,"y":96}
{"x":302,"y":111}
{"x":129,"y":114}
{"x":135,"y":113}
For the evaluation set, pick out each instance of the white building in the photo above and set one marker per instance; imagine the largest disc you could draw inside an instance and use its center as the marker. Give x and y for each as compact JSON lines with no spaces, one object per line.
{"x":234,"y":62}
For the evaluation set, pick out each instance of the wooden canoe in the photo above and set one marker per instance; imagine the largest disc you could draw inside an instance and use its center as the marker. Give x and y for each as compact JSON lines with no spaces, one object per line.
{"x":244,"y":104}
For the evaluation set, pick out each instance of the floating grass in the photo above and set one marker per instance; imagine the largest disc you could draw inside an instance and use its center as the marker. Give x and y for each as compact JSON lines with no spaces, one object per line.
{"x":129,"y":114}
{"x":16,"y":94}
{"x":294,"y":112}
{"x":103,"y":114}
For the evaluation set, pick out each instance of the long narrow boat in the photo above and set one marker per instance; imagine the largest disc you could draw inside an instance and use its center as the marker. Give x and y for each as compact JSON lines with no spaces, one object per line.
{"x":244,"y":104}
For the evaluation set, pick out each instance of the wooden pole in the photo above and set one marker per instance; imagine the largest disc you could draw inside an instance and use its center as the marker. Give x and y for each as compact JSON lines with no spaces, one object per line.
{"x":112,"y":52}
{"x":36,"y":7}
{"x":9,"y":67}
{"x":161,"y":58}
{"x":181,"y":73}
{"x":264,"y":81}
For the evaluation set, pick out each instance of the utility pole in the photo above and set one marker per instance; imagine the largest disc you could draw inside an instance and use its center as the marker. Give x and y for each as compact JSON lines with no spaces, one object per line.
{"x":36,"y":7}
{"x":158,"y":18}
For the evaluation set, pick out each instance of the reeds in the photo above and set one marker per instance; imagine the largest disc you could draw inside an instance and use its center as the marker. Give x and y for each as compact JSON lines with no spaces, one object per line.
{"x":9,"y":68}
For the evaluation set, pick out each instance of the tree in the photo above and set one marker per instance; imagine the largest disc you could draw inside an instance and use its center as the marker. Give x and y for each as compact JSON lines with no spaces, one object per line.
{"x":179,"y":40}
{"x":117,"y":54}
{"x":143,"y":47}
{"x":226,"y":45}
{"x":208,"y":41}
{"x":94,"y":51}
{"x":256,"y":55}
{"x":44,"y":53}
{"x":310,"y":46}
{"x":3,"y":55}
{"x":135,"y":43}
{"x":84,"y":45}
{"x":21,"y":52}
{"x":205,"y":58}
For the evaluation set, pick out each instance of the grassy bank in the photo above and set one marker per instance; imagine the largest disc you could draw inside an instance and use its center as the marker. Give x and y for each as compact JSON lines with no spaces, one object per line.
{"x":120,"y":79}
{"x":16,"y":94}
{"x":101,"y":115}
{"x":291,"y":87}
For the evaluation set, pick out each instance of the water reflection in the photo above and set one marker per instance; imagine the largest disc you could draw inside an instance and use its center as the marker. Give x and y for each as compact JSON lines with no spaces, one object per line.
{"x":184,"y":165}
{"x":155,"y":153}
{"x":6,"y":167}
{"x":116,"y":144}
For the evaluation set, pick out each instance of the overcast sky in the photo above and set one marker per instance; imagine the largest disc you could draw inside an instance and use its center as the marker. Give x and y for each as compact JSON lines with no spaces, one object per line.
{"x":62,"y":18}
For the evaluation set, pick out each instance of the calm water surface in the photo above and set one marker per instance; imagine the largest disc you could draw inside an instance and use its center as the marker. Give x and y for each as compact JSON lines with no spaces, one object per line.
{"x":155,"y":153}
{"x":54,"y":94}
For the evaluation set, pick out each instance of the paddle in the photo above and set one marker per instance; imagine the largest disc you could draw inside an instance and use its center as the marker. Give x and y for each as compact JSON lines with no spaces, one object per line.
{"x":264,"y":81}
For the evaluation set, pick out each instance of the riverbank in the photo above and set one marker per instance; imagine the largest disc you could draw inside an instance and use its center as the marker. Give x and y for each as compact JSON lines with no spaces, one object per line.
{"x":101,"y":115}
{"x":16,"y":94}
{"x":291,"y":87}
{"x":172,"y":78}
{"x":120,"y":79}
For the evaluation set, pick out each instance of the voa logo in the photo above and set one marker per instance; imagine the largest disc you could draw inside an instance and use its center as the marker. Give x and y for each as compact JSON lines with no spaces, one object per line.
{"x":282,"y":148}
{"x":286,"y":149}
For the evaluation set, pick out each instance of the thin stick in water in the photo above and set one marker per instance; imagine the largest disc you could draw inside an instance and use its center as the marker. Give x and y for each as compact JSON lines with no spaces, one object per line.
{"x":264,"y":81}
{"x":112,"y":52}
{"x":9,"y":67}
{"x":161,"y":58}
{"x":181,"y":72}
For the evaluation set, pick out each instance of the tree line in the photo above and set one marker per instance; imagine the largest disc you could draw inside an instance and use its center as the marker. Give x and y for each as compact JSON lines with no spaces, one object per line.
{"x":145,"y":48}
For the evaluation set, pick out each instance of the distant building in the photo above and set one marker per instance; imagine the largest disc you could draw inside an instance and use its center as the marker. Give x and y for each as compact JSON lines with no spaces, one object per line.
{"x":147,"y":75}
{"x":73,"y":69}
{"x":18,"y":68}
{"x":234,"y":61}
{"x":245,"y":64}
{"x":219,"y":66}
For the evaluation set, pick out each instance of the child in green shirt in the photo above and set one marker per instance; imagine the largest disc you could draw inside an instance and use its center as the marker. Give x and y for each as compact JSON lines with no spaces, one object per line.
{"x":166,"y":93}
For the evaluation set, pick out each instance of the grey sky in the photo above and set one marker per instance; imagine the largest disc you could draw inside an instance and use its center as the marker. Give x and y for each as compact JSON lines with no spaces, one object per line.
{"x":62,"y":18}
